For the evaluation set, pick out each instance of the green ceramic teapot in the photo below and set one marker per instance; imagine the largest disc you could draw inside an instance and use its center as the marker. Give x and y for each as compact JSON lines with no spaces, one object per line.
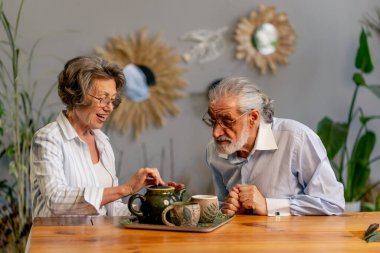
{"x":155,"y":200}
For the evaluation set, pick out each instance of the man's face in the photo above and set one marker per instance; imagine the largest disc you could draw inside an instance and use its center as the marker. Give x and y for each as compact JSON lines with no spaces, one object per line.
{"x":233,"y":135}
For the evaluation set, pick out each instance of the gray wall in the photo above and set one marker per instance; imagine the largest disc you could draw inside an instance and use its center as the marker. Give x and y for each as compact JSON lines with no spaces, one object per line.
{"x":317,"y":81}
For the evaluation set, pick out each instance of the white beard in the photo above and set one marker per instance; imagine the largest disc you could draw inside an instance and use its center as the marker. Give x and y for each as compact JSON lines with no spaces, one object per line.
{"x":232,"y":147}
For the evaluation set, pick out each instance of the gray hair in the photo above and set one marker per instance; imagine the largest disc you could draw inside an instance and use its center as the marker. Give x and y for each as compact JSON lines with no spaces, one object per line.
{"x":248,"y":94}
{"x":76,"y":80}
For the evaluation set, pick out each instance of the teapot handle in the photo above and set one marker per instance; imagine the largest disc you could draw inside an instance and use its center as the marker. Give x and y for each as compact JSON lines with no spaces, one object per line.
{"x":130,"y":202}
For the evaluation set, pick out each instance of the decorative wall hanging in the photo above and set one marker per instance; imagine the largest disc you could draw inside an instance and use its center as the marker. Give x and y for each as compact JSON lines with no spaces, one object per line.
{"x":265,"y":39}
{"x":154,"y":81}
{"x":209,"y":45}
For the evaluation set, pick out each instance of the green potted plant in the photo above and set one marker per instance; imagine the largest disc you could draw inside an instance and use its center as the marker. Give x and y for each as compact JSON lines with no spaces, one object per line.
{"x":353,"y":165}
{"x":19,"y":119}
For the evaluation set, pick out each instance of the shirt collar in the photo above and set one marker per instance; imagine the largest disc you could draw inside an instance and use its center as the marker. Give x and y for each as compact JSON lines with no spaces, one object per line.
{"x":264,"y":141}
{"x":70,"y":133}
{"x":265,"y":138}
{"x":67,"y":129}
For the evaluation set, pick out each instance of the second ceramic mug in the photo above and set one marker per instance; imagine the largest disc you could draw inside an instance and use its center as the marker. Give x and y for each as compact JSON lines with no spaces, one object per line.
{"x":209,"y":207}
{"x":185,"y":214}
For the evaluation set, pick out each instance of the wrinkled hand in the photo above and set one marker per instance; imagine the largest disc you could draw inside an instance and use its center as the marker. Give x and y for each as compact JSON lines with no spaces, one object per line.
{"x":175,"y":185}
{"x":231,"y":204}
{"x":142,"y":178}
{"x":251,"y":198}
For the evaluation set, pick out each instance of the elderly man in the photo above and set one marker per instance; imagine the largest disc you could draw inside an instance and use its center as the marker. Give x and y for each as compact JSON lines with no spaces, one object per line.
{"x":266,"y":165}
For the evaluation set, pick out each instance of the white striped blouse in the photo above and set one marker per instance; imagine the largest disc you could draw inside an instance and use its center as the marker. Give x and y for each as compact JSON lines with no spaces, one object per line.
{"x":62,"y":176}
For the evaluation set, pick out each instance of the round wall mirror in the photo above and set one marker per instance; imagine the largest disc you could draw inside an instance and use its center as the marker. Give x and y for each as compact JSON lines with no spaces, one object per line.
{"x":265,"y":38}
{"x":154,"y":81}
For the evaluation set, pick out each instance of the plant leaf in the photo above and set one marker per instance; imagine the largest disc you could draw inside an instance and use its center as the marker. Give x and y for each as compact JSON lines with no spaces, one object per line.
{"x":368,"y":207}
{"x":374,"y":237}
{"x":363,"y":59}
{"x":362,"y":151}
{"x":365,"y":119}
{"x":10,"y":151}
{"x":333,"y":135}
{"x":375,"y":89}
{"x":377,"y":203}
{"x":359,"y":167}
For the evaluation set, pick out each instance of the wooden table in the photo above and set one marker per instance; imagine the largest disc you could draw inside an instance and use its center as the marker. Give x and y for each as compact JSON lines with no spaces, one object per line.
{"x":245,"y":233}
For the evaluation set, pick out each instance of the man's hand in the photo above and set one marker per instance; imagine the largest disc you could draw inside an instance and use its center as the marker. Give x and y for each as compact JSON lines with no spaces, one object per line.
{"x":251,"y":198}
{"x":231,"y":204}
{"x":175,"y":185}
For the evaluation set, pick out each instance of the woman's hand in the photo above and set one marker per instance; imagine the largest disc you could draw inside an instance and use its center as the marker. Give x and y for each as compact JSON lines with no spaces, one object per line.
{"x":142,"y":178}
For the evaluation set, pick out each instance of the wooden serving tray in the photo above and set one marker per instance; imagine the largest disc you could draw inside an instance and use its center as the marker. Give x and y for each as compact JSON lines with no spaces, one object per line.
{"x":219,"y":221}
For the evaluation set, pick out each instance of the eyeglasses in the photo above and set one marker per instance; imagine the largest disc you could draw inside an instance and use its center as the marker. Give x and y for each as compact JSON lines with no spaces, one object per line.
{"x":223,"y":122}
{"x":106,"y":101}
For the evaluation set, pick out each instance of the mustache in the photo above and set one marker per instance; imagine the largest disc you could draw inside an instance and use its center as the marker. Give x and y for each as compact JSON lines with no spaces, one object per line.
{"x":223,"y":138}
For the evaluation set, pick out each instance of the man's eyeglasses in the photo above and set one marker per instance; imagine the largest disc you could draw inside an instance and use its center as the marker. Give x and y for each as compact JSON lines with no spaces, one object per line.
{"x":106,"y":101}
{"x":223,"y":122}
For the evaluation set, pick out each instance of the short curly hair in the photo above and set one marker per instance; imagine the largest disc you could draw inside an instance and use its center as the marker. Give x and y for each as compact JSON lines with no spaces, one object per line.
{"x":77,"y":79}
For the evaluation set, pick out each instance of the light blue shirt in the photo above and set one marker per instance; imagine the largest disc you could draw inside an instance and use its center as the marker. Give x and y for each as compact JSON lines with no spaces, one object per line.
{"x":289,"y":166}
{"x":62,"y":175}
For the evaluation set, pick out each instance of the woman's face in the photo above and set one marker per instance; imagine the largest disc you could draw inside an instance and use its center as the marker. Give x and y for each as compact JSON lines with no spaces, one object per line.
{"x":94,"y":115}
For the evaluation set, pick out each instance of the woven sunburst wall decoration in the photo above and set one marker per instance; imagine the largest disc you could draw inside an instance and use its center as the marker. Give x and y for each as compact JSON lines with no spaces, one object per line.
{"x":154,"y":81}
{"x":280,"y":33}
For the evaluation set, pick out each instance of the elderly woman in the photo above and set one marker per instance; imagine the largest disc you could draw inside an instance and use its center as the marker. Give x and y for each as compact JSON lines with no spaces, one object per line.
{"x":72,"y":162}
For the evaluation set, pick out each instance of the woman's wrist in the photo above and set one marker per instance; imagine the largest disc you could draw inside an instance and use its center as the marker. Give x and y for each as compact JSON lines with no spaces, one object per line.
{"x":126,"y":190}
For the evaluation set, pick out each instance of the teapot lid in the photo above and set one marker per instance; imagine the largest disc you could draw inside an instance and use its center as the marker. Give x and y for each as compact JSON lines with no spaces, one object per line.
{"x":161,"y":187}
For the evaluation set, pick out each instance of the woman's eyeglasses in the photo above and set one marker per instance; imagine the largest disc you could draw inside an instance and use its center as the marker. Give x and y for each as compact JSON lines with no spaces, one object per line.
{"x":106,"y":101}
